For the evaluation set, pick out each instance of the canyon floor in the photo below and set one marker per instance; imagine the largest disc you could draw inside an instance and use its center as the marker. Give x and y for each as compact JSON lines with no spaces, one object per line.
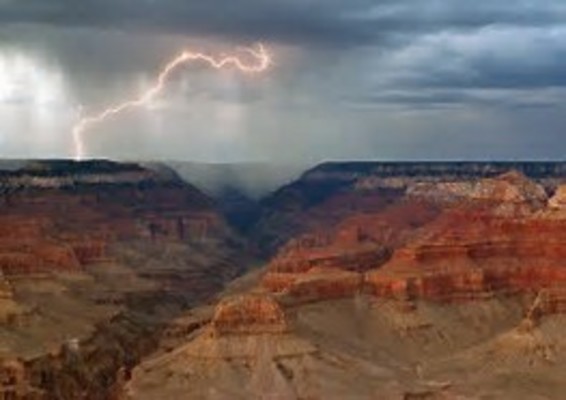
{"x":349,"y":281}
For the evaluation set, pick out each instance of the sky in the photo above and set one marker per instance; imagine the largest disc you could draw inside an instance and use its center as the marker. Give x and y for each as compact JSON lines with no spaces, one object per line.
{"x":356,"y":79}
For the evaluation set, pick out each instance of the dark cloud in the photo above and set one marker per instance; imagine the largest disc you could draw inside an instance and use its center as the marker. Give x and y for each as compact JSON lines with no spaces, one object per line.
{"x":332,"y":22}
{"x":319,"y":21}
{"x":450,"y":99}
{"x":494,"y":57}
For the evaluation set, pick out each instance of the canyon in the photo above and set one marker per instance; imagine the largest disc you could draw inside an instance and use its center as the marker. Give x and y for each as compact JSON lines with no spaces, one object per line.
{"x":360,"y":280}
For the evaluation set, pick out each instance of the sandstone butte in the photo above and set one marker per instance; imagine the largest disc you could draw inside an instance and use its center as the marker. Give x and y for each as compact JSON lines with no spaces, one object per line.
{"x":463,"y":240}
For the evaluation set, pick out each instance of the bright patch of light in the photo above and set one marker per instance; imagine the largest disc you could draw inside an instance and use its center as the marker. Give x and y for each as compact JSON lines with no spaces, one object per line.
{"x":25,"y":81}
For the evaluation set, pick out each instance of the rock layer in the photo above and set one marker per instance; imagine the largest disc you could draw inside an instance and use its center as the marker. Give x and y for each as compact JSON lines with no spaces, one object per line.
{"x":249,"y":314}
{"x":448,"y":241}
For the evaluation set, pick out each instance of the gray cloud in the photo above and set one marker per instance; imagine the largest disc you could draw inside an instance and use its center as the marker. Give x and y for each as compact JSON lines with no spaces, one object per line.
{"x":357,"y":78}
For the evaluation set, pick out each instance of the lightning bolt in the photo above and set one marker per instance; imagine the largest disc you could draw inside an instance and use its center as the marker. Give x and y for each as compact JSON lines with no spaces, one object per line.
{"x":262,"y":60}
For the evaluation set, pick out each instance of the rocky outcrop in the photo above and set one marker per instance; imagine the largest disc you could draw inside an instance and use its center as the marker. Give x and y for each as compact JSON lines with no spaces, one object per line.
{"x":511,"y":188}
{"x":500,"y":240}
{"x":552,"y":300}
{"x":356,"y":258}
{"x":65,"y":174}
{"x":312,"y":205}
{"x":455,"y":286}
{"x":249,"y":314}
{"x":330,"y":264}
{"x":90,"y":251}
{"x":347,"y":171}
{"x":318,"y":284}
{"x":12,"y":381}
{"x":558,"y":200}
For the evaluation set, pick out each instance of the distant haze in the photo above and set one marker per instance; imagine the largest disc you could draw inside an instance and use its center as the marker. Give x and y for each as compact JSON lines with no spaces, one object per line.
{"x":357,"y":79}
{"x":255,"y":180}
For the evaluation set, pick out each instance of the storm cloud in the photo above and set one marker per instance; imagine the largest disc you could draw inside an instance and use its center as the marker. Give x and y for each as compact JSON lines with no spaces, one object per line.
{"x":404,"y":79}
